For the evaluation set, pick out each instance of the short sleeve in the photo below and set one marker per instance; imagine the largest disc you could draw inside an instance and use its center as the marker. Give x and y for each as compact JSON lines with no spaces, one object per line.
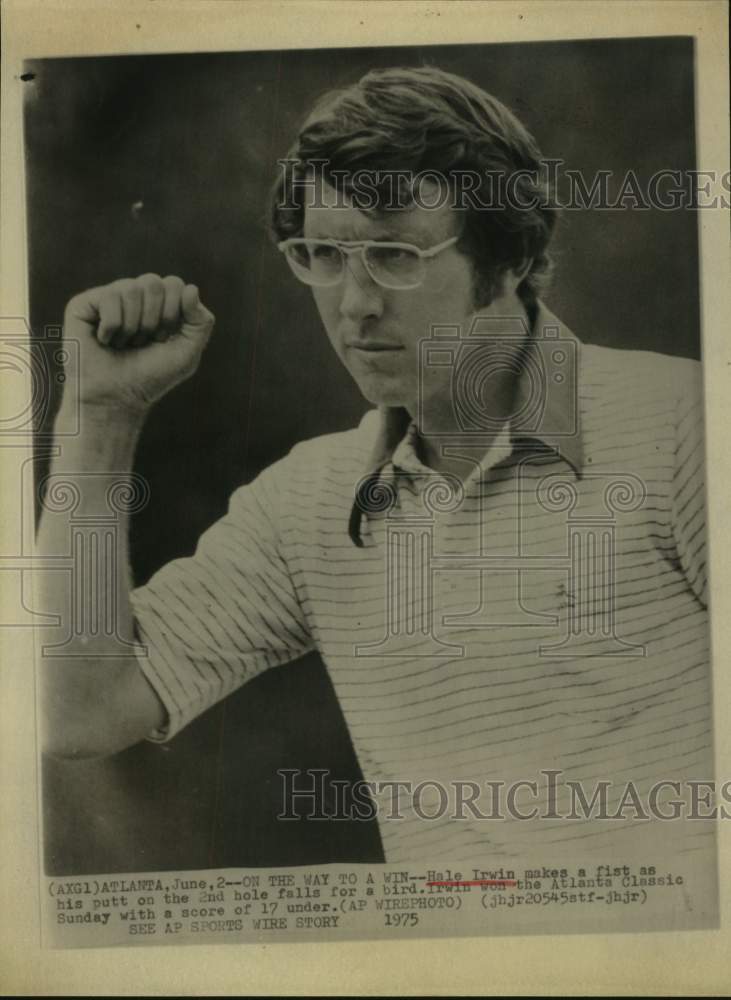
{"x":688,"y":499}
{"x":214,"y":620}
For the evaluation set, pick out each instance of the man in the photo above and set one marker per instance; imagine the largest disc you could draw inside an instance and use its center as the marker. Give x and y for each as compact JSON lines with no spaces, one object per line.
{"x":502,"y":566}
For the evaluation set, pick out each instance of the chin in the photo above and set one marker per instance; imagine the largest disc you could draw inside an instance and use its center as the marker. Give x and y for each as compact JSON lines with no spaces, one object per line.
{"x":382,"y":394}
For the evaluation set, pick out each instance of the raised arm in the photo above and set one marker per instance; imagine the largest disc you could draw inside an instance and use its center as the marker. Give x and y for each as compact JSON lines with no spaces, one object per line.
{"x":137,"y":338}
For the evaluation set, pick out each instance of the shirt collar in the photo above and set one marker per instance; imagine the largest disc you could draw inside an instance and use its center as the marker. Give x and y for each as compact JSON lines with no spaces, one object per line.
{"x":546,"y":409}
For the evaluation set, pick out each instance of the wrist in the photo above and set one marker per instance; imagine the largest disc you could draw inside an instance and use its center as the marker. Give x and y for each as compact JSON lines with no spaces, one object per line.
{"x":99,"y":436}
{"x":79,"y":417}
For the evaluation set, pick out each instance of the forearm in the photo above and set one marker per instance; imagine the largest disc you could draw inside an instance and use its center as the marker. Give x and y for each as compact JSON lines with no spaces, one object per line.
{"x":136,"y":338}
{"x":94,"y":698}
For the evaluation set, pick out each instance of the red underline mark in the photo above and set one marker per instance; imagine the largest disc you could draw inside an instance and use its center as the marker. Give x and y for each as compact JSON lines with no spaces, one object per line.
{"x":479,"y":881}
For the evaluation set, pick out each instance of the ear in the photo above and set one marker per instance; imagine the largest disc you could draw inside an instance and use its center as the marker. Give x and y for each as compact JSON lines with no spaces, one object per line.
{"x":512,"y":277}
{"x":523,"y":270}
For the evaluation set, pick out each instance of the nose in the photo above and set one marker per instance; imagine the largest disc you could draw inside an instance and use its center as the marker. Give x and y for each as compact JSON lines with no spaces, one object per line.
{"x":361,"y":297}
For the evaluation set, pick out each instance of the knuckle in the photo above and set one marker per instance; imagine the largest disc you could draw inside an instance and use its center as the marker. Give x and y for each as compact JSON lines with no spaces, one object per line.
{"x":74,"y":302}
{"x":121,"y":285}
{"x":80,"y":299}
{"x":110,"y":298}
{"x":190,"y":367}
{"x":151,"y":282}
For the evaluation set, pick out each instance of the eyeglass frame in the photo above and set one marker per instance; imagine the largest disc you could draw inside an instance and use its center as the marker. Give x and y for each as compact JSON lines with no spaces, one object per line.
{"x":348,"y":247}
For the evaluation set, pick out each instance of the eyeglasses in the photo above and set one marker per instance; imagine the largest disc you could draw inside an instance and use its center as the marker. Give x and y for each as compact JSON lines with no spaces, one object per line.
{"x":391,"y":265}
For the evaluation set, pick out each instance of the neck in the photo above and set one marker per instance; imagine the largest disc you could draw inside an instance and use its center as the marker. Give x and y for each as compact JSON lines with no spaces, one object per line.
{"x":440,"y":436}
{"x":496,"y":362}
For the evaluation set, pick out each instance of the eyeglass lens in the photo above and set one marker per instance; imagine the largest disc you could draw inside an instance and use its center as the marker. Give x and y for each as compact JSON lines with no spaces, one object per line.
{"x":324,"y":263}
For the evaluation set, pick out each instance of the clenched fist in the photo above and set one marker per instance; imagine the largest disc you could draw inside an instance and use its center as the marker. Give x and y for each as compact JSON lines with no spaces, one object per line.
{"x":138,"y":337}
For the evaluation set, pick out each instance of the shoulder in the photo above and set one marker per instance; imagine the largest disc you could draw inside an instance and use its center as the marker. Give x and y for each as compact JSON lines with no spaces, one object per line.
{"x":665,"y":372}
{"x":331,"y":459}
{"x":315,"y":477}
{"x":638,"y":381}
{"x":636,"y":406}
{"x":342,"y":449}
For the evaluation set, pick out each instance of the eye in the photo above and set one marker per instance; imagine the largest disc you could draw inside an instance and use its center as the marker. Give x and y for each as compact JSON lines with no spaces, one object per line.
{"x":299,"y":253}
{"x":324,"y":252}
{"x":390,"y":254}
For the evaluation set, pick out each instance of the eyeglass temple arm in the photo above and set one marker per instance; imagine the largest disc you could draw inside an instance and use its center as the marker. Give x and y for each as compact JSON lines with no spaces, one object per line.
{"x":432,"y":251}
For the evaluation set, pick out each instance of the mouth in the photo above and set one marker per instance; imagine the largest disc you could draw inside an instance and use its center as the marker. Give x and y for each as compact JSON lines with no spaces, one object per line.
{"x":371,"y":346}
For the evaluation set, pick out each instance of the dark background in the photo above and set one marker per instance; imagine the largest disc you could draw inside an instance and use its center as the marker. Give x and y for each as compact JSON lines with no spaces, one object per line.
{"x":195,"y":138}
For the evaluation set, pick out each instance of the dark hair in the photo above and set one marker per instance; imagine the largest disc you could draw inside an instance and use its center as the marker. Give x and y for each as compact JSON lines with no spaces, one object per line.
{"x":425,"y":119}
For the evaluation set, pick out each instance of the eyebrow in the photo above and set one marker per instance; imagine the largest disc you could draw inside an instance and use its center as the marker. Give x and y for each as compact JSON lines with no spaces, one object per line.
{"x":377,"y":238}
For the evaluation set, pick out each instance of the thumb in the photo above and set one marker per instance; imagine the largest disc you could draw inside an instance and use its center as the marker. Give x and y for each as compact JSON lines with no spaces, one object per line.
{"x":195,"y":314}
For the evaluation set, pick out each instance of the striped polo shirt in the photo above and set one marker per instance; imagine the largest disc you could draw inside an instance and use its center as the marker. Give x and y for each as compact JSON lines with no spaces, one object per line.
{"x":543,"y":611}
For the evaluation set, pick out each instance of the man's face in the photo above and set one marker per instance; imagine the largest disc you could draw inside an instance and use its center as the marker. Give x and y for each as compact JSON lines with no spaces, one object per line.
{"x":376,"y":331}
